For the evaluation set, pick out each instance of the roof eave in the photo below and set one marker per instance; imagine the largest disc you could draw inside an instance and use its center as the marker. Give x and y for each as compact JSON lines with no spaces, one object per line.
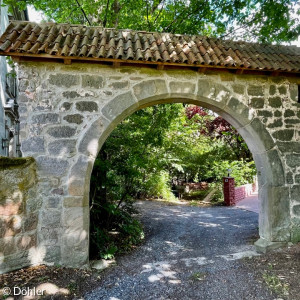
{"x":202,"y":68}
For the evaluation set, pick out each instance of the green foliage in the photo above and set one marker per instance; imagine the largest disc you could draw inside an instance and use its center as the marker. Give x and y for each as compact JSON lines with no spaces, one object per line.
{"x":113,"y":229}
{"x":267,"y":21}
{"x":158,"y":185}
{"x":243,"y":172}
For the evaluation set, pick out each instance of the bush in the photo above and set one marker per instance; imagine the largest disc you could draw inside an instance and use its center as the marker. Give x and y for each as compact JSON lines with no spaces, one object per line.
{"x":158,"y":185}
{"x":113,"y":230}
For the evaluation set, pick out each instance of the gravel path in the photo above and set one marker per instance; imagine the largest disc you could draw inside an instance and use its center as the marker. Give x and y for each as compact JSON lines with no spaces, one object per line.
{"x":189,"y":253}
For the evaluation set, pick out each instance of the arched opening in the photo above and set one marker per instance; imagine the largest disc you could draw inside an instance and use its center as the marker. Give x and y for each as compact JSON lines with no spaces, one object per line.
{"x":169,"y":146}
{"x":274,"y":218}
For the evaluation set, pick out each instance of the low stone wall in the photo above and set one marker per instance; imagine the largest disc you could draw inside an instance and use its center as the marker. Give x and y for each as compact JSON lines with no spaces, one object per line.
{"x":18,"y":213}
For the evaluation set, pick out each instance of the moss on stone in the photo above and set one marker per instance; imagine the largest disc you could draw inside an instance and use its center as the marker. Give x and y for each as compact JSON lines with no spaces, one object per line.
{"x":15,"y":162}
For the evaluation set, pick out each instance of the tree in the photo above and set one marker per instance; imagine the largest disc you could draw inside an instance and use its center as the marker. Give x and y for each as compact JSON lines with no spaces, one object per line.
{"x":262,"y":20}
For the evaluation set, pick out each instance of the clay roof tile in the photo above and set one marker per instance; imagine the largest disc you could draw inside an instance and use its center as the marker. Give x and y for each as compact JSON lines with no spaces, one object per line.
{"x":96,"y":42}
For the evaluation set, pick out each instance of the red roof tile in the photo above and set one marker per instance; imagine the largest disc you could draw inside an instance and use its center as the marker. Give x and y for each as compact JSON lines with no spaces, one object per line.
{"x":76,"y":41}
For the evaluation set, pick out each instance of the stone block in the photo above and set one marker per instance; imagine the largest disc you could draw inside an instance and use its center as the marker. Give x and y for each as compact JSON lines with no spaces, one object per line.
{"x":292,"y":121}
{"x":34,"y":145}
{"x":150,"y":89}
{"x":275,"y":213}
{"x":90,"y":142}
{"x":66,"y":106}
{"x":76,"y":187}
{"x":259,"y":136}
{"x":276,"y":170}
{"x":282,"y":90}
{"x":76,"y":201}
{"x":119,"y":85}
{"x":289,"y":178}
{"x":278,"y":113}
{"x":269,"y":168}
{"x":53,"y":202}
{"x":265,"y":113}
{"x":61,"y":131}
{"x":120,"y":105}
{"x":57,"y":191}
{"x":62,"y":147}
{"x":240,"y":109}
{"x":14,"y":261}
{"x":284,"y":135}
{"x":50,"y":218}
{"x":53,"y":254}
{"x":293,"y":160}
{"x":7,"y":245}
{"x":296,"y":210}
{"x":45,"y":118}
{"x":33,"y":204}
{"x":255,"y":90}
{"x":26,"y":241}
{"x":89,"y":106}
{"x":31,"y":221}
{"x":64,"y":80}
{"x":52,"y":166}
{"x":294,"y":92}
{"x":93,"y":81}
{"x":217,"y":92}
{"x":50,"y":233}
{"x":76,"y":218}
{"x":275,"y":124}
{"x":76,"y":118}
{"x":289,"y":113}
{"x":75,"y":259}
{"x":295,"y":192}
{"x":239,"y":89}
{"x":257,"y":102}
{"x":71,"y":94}
{"x":272,"y":90}
{"x":182,"y":87}
{"x":275,"y":102}
{"x":288,"y":146}
{"x":264,"y":246}
{"x":81,"y":168}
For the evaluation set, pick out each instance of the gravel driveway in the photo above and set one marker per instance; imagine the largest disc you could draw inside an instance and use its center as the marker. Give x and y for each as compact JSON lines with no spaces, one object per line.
{"x":189,"y":253}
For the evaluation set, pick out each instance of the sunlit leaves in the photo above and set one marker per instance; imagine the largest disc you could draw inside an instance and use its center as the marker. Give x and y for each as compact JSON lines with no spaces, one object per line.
{"x":263,"y":20}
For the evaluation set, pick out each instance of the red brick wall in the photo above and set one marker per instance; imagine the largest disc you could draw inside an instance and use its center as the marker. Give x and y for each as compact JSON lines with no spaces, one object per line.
{"x":233,"y":194}
{"x":244,"y":191}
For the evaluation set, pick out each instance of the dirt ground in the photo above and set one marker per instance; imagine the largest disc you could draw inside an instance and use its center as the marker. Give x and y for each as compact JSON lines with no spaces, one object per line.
{"x":278,"y":270}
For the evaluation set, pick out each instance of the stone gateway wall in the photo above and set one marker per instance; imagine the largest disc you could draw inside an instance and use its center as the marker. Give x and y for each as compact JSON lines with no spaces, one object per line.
{"x":67,"y":112}
{"x":19,"y":208}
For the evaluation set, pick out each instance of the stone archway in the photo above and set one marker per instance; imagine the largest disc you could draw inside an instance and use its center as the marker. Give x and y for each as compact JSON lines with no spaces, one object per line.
{"x":67,"y":117}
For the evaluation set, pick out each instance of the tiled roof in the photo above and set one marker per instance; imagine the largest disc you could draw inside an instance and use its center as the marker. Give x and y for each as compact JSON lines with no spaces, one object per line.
{"x":79,"y":42}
